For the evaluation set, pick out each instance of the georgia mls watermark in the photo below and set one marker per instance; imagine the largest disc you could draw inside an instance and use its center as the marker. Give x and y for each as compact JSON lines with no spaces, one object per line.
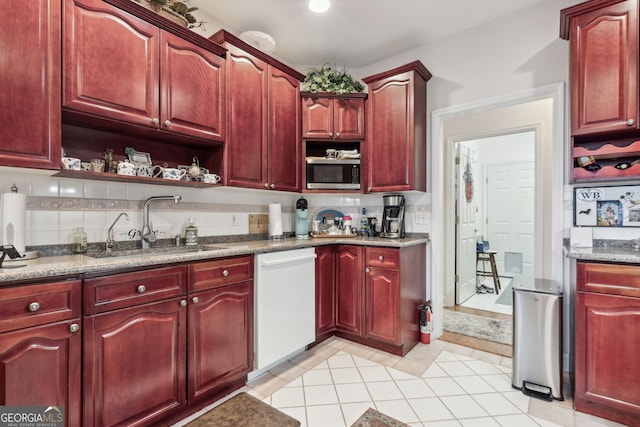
{"x":31,"y":416}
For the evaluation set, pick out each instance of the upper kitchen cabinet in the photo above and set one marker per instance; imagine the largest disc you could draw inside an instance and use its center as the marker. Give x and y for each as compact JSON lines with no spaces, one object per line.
{"x":604,"y":66}
{"x":397,"y":129}
{"x":603,"y":39}
{"x":262,"y":147}
{"x":127,"y":68}
{"x":329,"y":116}
{"x":30,"y":74}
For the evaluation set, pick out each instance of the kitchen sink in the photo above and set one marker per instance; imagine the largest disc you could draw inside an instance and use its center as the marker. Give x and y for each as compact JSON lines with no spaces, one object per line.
{"x":151,"y":251}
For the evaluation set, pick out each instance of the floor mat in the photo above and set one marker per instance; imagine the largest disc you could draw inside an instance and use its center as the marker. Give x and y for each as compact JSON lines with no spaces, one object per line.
{"x":500,"y":331}
{"x":373,"y":418}
{"x":244,"y":410}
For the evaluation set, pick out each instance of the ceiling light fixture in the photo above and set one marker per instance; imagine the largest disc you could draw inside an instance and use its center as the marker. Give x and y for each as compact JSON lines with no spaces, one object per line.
{"x":319,"y":6}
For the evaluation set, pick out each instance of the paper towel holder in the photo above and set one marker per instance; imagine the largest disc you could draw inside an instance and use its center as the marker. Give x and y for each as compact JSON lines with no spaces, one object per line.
{"x":13,"y":254}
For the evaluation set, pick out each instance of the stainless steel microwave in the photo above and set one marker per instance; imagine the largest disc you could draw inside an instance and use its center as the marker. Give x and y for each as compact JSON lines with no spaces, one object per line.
{"x":333,"y":174}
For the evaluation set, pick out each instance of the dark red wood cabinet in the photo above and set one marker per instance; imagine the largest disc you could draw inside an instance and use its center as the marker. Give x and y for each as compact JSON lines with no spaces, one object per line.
{"x":30,"y":98}
{"x":220,"y":347}
{"x":175,"y":338}
{"x":604,"y":66}
{"x":40,"y":347}
{"x":397,"y":129}
{"x":134,"y":358}
{"x":262,"y":148}
{"x":370,"y":295}
{"x":159,"y":81}
{"x":607,"y":340}
{"x":603,"y":39}
{"x":325,"y":291}
{"x":349,"y":295}
{"x":333,"y":117}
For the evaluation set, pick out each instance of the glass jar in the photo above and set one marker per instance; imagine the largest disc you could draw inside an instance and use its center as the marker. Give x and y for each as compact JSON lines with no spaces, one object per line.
{"x":79,"y":241}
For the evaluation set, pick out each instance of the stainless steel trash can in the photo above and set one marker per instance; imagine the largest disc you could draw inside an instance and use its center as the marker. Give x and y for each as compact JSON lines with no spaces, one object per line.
{"x":537,"y":338}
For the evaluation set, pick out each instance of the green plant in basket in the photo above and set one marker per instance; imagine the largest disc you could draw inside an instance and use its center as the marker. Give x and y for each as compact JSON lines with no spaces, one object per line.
{"x":329,"y":79}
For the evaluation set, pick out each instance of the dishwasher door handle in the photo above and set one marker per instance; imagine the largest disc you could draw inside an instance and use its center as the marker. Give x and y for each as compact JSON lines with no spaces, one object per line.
{"x":285,"y":261}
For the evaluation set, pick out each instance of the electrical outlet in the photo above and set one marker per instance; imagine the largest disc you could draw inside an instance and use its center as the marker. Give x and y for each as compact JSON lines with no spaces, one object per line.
{"x":234,"y":219}
{"x":421,"y":218}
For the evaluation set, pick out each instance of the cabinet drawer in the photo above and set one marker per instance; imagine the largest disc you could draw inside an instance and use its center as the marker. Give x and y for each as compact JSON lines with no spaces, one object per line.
{"x":382,"y":257}
{"x":128,"y":289}
{"x":31,"y":305}
{"x":615,"y":279}
{"x":213,"y":274}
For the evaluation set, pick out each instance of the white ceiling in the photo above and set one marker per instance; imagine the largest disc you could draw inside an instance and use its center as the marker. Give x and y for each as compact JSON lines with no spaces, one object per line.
{"x":353,"y":33}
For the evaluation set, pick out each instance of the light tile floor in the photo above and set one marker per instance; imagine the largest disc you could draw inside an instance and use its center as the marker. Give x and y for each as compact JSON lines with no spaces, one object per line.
{"x":439,"y":384}
{"x":487,"y":301}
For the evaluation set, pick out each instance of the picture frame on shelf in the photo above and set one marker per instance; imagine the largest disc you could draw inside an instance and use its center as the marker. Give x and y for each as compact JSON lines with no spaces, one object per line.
{"x":137,"y":156}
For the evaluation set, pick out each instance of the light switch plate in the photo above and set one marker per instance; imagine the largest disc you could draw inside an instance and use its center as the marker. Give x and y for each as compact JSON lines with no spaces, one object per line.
{"x":259,"y":224}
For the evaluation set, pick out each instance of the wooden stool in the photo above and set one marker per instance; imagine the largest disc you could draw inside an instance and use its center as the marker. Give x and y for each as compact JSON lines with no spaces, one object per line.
{"x":485,"y":256}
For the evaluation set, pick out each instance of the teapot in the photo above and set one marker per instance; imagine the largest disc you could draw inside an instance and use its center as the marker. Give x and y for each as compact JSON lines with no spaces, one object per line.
{"x":194,"y":169}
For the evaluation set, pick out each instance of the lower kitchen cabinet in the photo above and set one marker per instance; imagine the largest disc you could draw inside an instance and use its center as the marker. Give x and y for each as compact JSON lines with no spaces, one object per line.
{"x":161,"y":343}
{"x":40,"y":346}
{"x":134,"y":364}
{"x":349,"y":296}
{"x":220,"y":353}
{"x":220,"y":338}
{"x":325,"y":291}
{"x":371,"y":295}
{"x":607,"y":341}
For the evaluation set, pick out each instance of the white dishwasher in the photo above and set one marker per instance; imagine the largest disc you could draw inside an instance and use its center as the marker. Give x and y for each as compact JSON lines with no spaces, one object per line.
{"x":284,"y":305}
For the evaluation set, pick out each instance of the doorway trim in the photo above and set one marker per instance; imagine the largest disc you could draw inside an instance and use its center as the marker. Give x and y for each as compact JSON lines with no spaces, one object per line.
{"x":550,"y":154}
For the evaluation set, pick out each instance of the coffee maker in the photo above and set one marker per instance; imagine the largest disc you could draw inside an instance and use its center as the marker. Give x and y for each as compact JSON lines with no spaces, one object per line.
{"x":302,"y":211}
{"x":392,"y":216}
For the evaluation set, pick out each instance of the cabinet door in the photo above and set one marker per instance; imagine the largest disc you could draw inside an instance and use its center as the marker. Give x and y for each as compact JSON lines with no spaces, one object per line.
{"x":220,"y":337}
{"x":604,"y":64}
{"x":110,"y":63}
{"x":391,"y":137}
{"x":348,"y":118}
{"x":134,"y":364}
{"x":284,"y":132}
{"x":40,"y":366}
{"x":192,"y":89}
{"x":607,"y":381}
{"x":325,"y":289}
{"x":246,"y":145}
{"x":317,"y":118}
{"x":382,"y":295}
{"x":30,"y":74}
{"x":349,"y":295}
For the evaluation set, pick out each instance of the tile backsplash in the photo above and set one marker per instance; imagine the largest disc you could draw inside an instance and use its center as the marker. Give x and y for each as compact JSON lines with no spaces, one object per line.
{"x":57,"y":206}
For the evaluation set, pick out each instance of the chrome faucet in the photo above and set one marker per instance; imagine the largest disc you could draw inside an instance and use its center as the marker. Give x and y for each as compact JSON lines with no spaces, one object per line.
{"x":147,"y":233}
{"x":110,"y":241}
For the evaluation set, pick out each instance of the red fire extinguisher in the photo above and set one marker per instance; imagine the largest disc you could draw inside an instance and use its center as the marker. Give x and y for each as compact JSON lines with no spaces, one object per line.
{"x":426,"y":325}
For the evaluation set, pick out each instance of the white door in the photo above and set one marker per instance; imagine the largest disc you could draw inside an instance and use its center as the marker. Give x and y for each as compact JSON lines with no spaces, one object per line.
{"x":465,"y":223}
{"x":510,"y":213}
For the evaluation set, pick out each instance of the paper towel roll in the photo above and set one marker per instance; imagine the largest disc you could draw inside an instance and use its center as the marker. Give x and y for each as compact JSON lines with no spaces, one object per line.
{"x":275,"y":220}
{"x":14,"y":218}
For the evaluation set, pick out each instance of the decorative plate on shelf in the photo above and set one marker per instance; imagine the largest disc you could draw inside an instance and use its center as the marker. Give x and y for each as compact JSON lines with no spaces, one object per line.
{"x":329,"y":214}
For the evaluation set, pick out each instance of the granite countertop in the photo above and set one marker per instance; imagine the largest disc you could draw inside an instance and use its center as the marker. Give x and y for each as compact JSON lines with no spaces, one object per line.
{"x":604,"y":253}
{"x":69,"y":265}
